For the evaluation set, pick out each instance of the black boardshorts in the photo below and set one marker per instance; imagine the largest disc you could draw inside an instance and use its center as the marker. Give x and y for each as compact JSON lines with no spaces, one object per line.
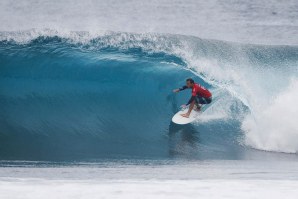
{"x":203,"y":100}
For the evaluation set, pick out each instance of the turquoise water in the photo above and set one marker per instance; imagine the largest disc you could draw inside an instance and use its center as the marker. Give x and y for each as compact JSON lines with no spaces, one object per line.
{"x":112,"y":97}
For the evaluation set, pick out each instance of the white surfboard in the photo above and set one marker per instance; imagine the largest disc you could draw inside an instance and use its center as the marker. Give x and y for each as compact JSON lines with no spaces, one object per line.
{"x":178,"y":119}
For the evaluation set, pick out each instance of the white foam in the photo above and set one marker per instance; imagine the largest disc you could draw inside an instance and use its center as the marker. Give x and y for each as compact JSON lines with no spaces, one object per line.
{"x":274,"y":127}
{"x":152,"y":179}
{"x":48,"y":189}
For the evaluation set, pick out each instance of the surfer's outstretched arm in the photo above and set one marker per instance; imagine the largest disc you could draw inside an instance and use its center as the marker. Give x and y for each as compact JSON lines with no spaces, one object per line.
{"x":180,"y":89}
{"x":183,"y":88}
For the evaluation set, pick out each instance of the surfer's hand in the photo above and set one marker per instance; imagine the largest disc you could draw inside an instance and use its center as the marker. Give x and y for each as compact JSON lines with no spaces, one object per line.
{"x":183,"y":106}
{"x":176,"y":90}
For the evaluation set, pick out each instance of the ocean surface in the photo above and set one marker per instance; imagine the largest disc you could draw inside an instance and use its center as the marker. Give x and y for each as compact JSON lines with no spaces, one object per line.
{"x":86,"y":99}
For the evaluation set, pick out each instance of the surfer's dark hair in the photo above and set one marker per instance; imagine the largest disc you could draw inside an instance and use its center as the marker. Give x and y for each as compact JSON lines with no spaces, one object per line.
{"x":190,"y":80}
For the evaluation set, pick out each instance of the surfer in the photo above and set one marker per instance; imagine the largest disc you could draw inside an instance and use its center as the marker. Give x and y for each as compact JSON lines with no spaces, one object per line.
{"x":199,"y":96}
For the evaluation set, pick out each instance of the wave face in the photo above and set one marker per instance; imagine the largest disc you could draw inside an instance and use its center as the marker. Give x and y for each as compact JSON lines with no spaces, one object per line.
{"x":107,"y":96}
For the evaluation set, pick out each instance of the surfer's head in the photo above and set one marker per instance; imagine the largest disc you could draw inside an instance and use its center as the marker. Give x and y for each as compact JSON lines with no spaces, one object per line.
{"x":190,"y":82}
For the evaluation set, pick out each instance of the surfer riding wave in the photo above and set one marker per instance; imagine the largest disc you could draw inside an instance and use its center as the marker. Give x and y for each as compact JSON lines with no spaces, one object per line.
{"x":199,"y":96}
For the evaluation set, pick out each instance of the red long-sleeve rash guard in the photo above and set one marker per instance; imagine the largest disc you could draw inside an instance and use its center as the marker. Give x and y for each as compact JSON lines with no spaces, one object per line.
{"x":197,"y":90}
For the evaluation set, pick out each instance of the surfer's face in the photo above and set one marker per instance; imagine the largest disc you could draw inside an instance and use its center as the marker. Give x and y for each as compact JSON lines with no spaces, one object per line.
{"x":189,"y":84}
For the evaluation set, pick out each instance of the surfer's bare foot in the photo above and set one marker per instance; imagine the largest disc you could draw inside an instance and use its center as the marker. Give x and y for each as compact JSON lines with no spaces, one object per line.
{"x":185,"y":115}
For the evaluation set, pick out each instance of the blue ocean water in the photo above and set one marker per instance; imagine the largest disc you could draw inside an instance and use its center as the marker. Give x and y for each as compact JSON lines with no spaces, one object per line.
{"x":62,"y":100}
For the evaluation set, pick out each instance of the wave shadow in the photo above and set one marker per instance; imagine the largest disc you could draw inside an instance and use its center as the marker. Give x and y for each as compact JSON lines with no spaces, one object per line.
{"x":183,"y":140}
